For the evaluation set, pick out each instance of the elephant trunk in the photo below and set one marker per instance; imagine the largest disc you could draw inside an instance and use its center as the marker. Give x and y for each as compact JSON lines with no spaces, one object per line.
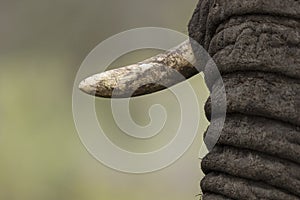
{"x":256,"y":46}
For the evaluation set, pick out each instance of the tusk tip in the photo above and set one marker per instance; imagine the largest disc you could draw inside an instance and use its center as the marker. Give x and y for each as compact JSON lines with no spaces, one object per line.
{"x":87,"y":87}
{"x":96,"y":85}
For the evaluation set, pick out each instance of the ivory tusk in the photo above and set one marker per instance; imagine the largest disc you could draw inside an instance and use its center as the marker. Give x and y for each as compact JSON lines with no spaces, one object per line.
{"x":151,"y":75}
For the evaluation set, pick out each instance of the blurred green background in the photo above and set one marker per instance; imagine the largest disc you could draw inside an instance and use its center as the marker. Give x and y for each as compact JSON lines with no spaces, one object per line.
{"x":43,"y":43}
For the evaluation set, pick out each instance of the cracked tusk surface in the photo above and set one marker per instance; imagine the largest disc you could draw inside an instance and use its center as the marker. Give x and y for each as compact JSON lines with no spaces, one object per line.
{"x":148,"y":76}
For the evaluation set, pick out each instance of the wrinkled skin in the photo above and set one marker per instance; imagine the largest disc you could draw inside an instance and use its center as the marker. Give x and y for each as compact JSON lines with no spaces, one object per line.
{"x":256,"y":46}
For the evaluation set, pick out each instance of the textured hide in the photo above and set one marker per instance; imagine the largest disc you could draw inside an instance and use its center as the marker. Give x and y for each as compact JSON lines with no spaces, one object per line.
{"x":256,"y":46}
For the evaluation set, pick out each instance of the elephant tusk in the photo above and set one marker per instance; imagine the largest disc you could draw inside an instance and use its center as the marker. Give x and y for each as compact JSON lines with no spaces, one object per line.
{"x":151,"y":75}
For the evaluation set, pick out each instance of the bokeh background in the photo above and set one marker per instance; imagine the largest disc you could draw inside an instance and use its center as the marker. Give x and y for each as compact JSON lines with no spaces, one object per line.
{"x":42,"y":44}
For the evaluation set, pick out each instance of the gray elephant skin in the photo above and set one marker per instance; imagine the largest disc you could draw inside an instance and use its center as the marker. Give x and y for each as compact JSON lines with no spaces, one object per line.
{"x":256,"y":47}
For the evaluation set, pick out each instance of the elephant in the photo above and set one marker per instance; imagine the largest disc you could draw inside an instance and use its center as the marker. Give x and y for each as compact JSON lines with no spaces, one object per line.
{"x":256,"y":47}
{"x":255,"y":44}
